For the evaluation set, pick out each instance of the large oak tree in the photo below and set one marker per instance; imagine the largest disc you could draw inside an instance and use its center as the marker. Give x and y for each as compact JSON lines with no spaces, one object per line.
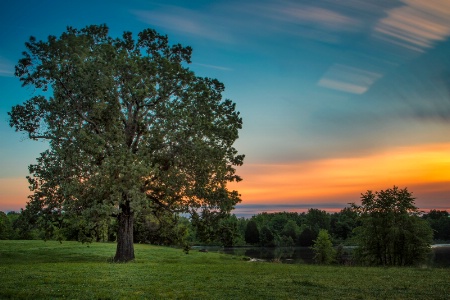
{"x":129,"y":127}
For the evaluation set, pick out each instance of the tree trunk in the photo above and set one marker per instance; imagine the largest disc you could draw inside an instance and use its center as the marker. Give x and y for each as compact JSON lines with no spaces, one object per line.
{"x":125,"y":247}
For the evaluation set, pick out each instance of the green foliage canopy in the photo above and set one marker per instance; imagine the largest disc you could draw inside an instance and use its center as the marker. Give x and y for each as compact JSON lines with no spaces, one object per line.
{"x":5,"y":227}
{"x":439,"y":221}
{"x":129,"y":126}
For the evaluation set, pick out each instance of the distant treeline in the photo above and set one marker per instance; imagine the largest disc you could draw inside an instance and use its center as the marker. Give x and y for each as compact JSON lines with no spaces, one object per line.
{"x":264,"y":229}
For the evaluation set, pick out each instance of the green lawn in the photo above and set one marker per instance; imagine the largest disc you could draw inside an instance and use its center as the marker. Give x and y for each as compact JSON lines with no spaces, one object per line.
{"x":50,"y":270}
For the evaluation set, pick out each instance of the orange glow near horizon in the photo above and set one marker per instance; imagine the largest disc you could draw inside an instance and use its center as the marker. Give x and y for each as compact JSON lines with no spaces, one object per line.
{"x":13,"y":193}
{"x":423,"y":169}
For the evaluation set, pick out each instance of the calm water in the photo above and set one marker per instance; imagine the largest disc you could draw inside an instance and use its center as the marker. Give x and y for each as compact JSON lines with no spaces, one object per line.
{"x":439,"y":257}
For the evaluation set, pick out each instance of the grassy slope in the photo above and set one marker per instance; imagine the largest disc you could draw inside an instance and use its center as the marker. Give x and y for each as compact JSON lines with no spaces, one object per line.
{"x":37,"y":269}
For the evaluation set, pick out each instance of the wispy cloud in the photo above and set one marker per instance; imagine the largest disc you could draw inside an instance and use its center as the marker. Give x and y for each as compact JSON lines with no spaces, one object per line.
{"x":311,"y":15}
{"x":348,"y":79}
{"x":416,"y":25}
{"x":296,"y":19}
{"x":221,"y":68}
{"x":186,"y":21}
{"x":233,"y":22}
{"x":6,"y":68}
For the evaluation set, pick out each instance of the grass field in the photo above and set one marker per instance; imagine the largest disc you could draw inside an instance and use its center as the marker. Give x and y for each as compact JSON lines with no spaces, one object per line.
{"x":50,"y":270}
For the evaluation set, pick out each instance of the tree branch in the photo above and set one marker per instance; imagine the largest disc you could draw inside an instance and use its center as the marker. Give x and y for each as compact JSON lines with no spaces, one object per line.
{"x":78,"y":110}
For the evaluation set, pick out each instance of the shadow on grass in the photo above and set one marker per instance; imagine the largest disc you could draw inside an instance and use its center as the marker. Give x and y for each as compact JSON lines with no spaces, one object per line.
{"x":307,"y":283}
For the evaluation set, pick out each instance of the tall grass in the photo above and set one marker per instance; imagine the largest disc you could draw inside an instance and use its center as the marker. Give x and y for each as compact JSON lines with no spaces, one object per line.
{"x":50,"y":270}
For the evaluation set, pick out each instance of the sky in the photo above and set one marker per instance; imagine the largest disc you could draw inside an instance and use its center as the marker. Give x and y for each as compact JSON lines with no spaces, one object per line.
{"x":337,"y":97}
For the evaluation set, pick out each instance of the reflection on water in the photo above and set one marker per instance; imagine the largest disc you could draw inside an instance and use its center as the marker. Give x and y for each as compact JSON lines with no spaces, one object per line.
{"x":439,"y":256}
{"x":296,"y":255}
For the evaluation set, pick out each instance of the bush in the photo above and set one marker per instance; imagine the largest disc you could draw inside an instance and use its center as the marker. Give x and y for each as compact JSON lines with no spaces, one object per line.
{"x":324,"y":252}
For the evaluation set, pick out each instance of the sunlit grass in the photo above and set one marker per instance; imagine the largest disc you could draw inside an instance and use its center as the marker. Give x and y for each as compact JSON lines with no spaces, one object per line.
{"x":50,"y":270}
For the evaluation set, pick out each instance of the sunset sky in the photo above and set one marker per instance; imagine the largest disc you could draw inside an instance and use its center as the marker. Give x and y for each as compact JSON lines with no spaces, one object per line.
{"x":337,"y":97}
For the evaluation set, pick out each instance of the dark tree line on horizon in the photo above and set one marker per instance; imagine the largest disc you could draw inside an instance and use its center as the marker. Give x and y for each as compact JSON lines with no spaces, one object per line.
{"x":263,"y":229}
{"x":385,"y":220}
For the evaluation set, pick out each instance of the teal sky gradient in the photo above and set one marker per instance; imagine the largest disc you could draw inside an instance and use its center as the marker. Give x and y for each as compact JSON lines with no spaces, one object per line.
{"x":313,"y":80}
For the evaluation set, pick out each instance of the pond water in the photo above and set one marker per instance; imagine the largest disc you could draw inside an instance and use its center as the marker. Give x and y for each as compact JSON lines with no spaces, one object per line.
{"x":439,"y":256}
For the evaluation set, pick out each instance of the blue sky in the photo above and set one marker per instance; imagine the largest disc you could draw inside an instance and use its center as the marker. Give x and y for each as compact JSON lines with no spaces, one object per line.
{"x":320,"y":85}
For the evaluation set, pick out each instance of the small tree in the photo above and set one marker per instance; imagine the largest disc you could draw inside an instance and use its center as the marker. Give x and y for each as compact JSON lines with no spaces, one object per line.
{"x":228,"y":232}
{"x":392,"y":232}
{"x":324,"y":252}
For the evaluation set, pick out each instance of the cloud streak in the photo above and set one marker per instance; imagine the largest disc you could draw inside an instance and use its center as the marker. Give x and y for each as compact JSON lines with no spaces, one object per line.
{"x":6,"y":68}
{"x":221,"y":68}
{"x":234,"y":22}
{"x":304,"y":14}
{"x":348,"y":79}
{"x":416,"y":25}
{"x":186,"y":21}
